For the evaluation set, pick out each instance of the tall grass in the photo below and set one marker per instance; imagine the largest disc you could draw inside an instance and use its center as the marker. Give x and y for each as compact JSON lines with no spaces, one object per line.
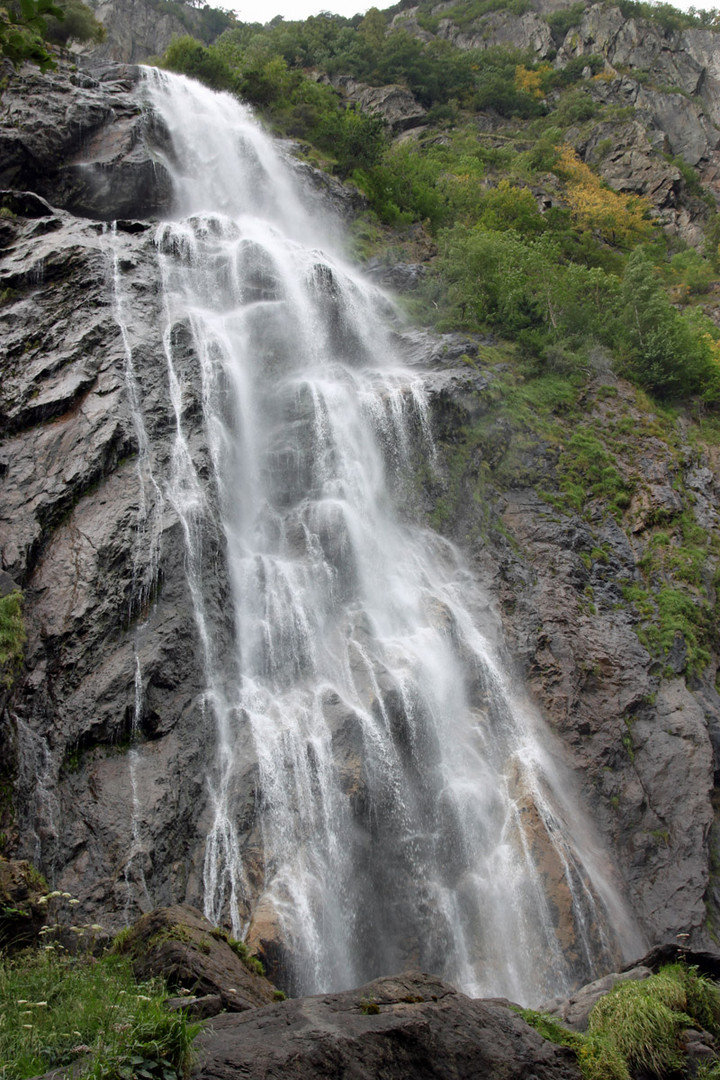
{"x":636,"y":1028}
{"x":59,"y":1008}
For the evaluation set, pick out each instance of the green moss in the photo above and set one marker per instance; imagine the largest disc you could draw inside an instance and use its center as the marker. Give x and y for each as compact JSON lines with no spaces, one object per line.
{"x":251,"y":962}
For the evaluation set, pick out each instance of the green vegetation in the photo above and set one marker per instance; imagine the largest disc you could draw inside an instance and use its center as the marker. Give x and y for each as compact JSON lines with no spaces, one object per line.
{"x":27,"y":27}
{"x":59,"y":1008}
{"x":636,"y":1028}
{"x":12,"y":636}
{"x":241,"y":950}
{"x":23,"y":31}
{"x":592,"y":270}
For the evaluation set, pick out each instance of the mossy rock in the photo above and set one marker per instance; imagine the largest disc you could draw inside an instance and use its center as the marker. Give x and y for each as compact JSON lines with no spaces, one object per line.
{"x":181,"y":945}
{"x":21,"y":915}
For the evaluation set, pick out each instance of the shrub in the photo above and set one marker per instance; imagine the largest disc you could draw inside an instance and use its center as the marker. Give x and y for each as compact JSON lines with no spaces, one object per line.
{"x":643,"y":1020}
{"x":666,"y":351}
{"x":187,"y":56}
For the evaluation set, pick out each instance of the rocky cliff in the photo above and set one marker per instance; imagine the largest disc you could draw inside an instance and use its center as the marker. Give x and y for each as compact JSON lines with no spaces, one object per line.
{"x":103,"y":774}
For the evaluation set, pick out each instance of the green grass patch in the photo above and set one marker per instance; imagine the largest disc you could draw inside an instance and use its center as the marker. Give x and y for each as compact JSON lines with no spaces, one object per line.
{"x":12,"y":636}
{"x":636,"y":1028}
{"x":58,"y":1009}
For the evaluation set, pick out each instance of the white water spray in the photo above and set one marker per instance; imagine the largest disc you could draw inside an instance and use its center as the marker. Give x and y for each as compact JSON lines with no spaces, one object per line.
{"x":406,"y":809}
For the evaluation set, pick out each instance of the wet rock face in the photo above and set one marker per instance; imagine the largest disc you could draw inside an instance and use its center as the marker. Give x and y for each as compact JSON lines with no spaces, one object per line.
{"x":84,"y":143}
{"x":77,"y":533}
{"x":634,"y":746}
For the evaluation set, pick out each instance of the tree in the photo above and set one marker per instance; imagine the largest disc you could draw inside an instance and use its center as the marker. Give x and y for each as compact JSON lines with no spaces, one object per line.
{"x":23,"y":29}
{"x":78,"y":24}
{"x":614,"y":217}
{"x":670,"y":353}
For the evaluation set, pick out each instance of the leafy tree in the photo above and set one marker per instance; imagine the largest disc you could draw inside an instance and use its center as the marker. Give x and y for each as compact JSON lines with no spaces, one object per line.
{"x":356,"y":139}
{"x":510,"y":207}
{"x":616,"y":218}
{"x":670,"y":353}
{"x":187,"y":56}
{"x":78,"y":24}
{"x":23,"y":30}
{"x":372,"y":28}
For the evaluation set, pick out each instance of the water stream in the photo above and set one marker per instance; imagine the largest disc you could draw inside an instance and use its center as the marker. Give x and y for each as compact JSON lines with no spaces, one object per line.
{"x":406,"y":806}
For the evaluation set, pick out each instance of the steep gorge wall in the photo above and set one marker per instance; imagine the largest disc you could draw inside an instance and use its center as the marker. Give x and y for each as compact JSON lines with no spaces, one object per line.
{"x":104,"y":784}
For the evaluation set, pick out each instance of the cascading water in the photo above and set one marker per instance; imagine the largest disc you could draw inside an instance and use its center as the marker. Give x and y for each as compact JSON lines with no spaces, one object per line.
{"x":405,"y":811}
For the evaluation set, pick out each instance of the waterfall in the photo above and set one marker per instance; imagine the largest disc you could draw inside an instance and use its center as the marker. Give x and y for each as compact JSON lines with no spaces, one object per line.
{"x":382,"y":794}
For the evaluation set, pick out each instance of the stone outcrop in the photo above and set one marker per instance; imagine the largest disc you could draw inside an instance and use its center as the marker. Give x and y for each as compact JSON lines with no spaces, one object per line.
{"x":395,"y":104}
{"x":139,"y":29}
{"x":179,"y":945}
{"x":82,"y":142}
{"x":408,"y":1025}
{"x":21,"y":912}
{"x":676,"y":112}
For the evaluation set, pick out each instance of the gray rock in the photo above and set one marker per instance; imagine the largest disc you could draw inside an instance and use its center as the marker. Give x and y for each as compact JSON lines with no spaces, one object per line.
{"x":396,"y":104}
{"x":574,"y":1011}
{"x":407,"y":1025}
{"x":500,"y":28}
{"x":688,"y":133}
{"x":196,"y":1008}
{"x":137,"y":30}
{"x":83,"y":148}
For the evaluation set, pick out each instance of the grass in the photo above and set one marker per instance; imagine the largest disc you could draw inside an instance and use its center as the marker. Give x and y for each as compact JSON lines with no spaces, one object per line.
{"x":12,"y":636}
{"x":643,"y":1020}
{"x":637,"y":1026}
{"x":252,"y":963}
{"x":59,"y":1008}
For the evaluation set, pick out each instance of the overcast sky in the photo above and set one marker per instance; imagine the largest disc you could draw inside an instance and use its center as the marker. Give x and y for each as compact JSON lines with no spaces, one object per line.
{"x":264,"y":10}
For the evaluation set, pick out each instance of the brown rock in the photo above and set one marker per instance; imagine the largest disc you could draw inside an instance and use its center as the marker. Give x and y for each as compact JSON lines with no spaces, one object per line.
{"x":20,"y":914}
{"x":182,"y":946}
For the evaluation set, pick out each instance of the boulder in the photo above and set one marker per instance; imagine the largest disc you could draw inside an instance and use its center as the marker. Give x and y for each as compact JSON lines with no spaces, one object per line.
{"x":395,"y":1027}
{"x":21,"y":914}
{"x":574,"y":1011}
{"x":180,"y":945}
{"x":396,"y":104}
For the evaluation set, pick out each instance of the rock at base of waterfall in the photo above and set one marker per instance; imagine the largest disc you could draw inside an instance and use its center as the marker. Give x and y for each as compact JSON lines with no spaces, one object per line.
{"x":181,"y":945}
{"x":395,"y":1027}
{"x":575,"y":1010}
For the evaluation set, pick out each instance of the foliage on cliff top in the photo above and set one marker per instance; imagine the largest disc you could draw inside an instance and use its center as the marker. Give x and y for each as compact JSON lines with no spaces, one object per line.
{"x":592,"y":268}
{"x":28,"y":28}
